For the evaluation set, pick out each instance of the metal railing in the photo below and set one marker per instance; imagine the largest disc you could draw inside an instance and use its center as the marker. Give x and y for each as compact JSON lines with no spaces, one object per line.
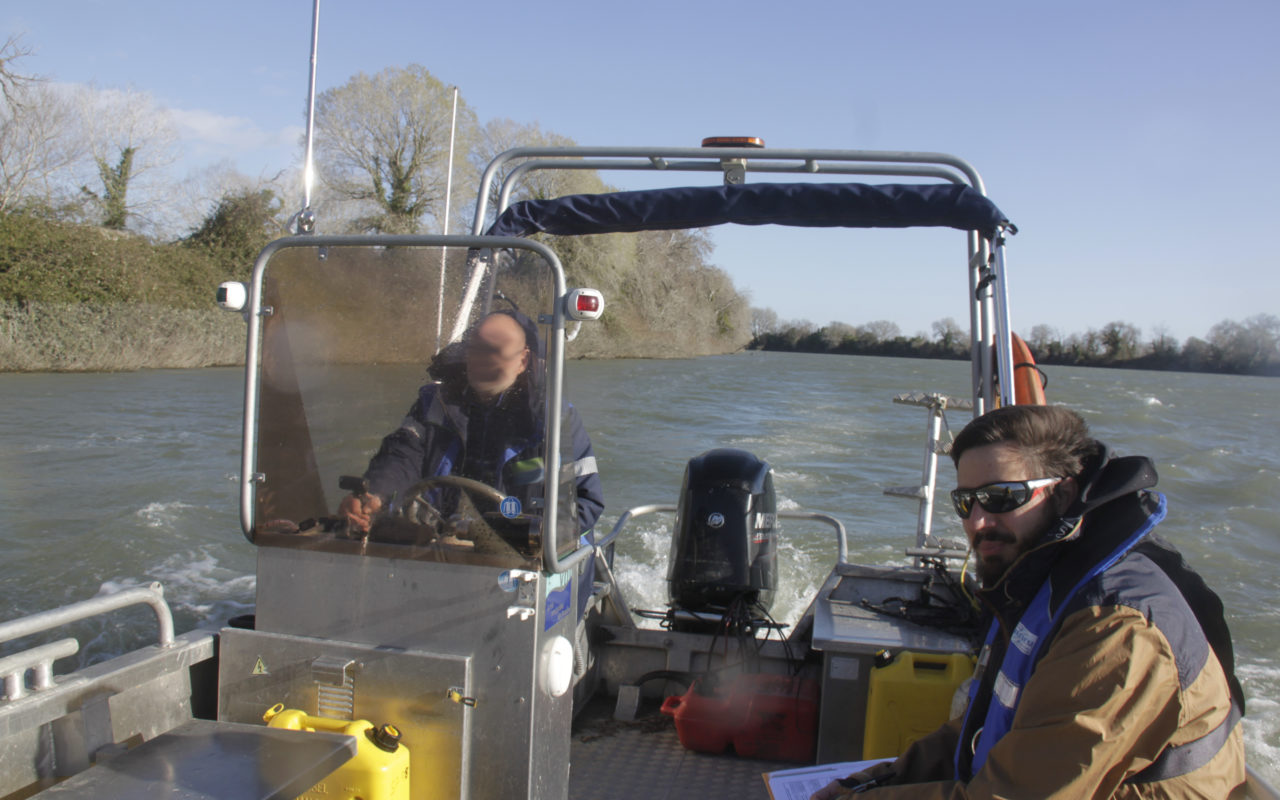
{"x":39,"y":659}
{"x":842,"y":539}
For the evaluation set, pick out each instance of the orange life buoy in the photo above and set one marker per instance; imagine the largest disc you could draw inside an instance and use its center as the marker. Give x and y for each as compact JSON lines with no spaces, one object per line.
{"x":1027,"y":388}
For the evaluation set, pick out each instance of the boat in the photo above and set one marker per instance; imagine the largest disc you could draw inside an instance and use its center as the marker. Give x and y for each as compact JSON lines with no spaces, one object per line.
{"x":492,"y":651}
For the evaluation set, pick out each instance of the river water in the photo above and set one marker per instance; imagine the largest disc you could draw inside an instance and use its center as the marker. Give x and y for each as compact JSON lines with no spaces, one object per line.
{"x":111,"y":480}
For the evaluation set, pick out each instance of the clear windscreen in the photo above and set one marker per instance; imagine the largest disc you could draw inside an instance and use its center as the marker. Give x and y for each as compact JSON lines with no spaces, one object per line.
{"x":376,"y":433}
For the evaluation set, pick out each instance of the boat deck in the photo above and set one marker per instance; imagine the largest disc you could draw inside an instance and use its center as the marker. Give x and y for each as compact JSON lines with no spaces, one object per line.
{"x":644,"y":759}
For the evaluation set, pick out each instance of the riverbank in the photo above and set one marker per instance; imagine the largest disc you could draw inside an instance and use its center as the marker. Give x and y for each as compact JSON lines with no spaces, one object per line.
{"x":43,"y":337}
{"x":55,"y":337}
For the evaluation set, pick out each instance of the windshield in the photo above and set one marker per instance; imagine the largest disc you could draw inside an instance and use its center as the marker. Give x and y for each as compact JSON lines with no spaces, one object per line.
{"x":376,"y":434}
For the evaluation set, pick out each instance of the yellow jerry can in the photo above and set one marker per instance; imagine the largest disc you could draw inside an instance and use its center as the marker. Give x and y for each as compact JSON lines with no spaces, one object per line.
{"x":378,"y":771}
{"x":910,"y":697}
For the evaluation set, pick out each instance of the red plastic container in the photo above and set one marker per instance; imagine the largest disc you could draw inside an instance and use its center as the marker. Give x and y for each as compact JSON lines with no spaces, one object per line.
{"x":762,"y":716}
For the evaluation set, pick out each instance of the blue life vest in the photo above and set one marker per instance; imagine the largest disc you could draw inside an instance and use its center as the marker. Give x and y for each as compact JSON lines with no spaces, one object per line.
{"x":1028,"y":638}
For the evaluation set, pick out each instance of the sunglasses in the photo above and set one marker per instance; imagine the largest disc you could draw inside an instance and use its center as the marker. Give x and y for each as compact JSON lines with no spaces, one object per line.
{"x":997,"y":498}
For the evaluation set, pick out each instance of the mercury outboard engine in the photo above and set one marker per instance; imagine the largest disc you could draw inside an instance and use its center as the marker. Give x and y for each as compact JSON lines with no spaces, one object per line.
{"x":724,"y":552}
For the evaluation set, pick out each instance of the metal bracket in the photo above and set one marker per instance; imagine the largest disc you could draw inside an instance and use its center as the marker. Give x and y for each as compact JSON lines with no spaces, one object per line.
{"x":735,"y":171}
{"x":525,"y":594}
{"x":333,"y":670}
{"x":335,"y":686}
{"x":628,"y":704}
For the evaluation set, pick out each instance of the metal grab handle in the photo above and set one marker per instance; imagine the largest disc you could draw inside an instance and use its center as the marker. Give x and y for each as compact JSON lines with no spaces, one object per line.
{"x":842,"y":539}
{"x":152,"y":595}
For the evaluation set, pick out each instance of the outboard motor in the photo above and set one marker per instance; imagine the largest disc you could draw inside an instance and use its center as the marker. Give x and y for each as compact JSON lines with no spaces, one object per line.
{"x":724,"y":550}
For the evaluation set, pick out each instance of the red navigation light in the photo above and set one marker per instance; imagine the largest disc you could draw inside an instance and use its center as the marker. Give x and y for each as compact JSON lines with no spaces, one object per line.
{"x":733,"y":141}
{"x":584,"y":304}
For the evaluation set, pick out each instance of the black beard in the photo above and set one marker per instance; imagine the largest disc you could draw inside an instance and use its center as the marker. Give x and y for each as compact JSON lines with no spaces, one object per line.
{"x":990,"y":575}
{"x":985,"y":573}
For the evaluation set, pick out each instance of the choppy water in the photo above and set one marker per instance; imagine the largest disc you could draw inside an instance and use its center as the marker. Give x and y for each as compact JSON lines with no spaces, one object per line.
{"x":118,"y":479}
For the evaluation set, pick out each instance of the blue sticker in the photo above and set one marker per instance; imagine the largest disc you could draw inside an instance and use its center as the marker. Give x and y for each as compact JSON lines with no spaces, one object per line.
{"x":507,"y":582}
{"x":557,"y":605}
{"x":510,"y":507}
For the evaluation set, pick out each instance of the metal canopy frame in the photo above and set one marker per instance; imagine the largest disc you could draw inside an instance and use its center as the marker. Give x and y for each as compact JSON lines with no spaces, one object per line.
{"x":989,"y":313}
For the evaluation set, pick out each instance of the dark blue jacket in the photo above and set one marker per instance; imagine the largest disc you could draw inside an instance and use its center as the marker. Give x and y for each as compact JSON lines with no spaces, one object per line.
{"x":448,"y":432}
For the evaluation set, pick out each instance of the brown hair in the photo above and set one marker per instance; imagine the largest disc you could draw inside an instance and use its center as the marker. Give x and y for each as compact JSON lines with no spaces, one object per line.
{"x":1053,"y":440}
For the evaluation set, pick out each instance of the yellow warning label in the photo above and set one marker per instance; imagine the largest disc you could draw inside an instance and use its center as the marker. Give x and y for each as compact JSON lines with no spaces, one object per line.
{"x":259,"y":668}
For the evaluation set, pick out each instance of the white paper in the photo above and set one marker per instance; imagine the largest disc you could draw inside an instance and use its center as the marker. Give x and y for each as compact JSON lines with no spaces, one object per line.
{"x":800,"y":783}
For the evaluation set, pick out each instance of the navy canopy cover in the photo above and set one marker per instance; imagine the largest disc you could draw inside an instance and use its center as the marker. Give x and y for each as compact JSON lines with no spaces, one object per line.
{"x":815,"y":205}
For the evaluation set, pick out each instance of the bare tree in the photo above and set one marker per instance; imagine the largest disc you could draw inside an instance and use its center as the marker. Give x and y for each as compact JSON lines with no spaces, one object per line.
{"x":950,"y":336}
{"x":880,"y":330}
{"x":1042,"y":338}
{"x":1120,"y":341}
{"x":13,"y":82}
{"x":133,"y":142}
{"x":500,"y":135}
{"x":1085,"y":346}
{"x":763,"y":321}
{"x":38,"y":133}
{"x":1163,"y":344}
{"x":1247,"y":346}
{"x":835,"y":334}
{"x":383,"y":141}
{"x":40,"y":144}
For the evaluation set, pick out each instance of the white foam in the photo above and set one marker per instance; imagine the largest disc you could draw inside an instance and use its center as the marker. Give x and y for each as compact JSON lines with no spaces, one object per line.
{"x":162,"y":515}
{"x":106,"y":440}
{"x":798,"y":581}
{"x":1261,"y":681}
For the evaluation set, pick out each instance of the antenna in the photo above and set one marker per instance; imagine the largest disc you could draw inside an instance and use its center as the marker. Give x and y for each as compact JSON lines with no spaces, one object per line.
{"x":448,"y":189}
{"x":306,"y":218}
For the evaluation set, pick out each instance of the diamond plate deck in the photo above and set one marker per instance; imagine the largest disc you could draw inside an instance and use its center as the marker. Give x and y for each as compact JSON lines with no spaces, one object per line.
{"x":614,"y":760}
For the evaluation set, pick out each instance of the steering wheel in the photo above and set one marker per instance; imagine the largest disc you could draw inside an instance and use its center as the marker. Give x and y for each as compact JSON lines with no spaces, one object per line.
{"x":415,"y":505}
{"x":481,"y":536}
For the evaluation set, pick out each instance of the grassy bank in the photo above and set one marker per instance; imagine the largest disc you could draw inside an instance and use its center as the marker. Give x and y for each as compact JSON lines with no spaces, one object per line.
{"x":39,"y":337}
{"x":82,"y":298}
{"x":79,"y":297}
{"x":53,"y":337}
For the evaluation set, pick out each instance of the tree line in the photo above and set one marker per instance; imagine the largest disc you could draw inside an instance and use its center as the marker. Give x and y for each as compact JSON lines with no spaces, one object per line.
{"x":1246,"y":347}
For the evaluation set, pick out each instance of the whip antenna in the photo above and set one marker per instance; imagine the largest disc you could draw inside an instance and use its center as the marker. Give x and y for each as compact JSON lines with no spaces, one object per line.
{"x":306,"y":218}
{"x":448,"y":190}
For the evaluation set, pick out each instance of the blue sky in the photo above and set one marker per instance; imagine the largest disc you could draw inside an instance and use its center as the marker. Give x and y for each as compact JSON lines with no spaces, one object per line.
{"x":1133,"y":143}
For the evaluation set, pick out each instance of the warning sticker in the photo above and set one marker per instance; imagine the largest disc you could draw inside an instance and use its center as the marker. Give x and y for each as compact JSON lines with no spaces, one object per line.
{"x":260,"y":667}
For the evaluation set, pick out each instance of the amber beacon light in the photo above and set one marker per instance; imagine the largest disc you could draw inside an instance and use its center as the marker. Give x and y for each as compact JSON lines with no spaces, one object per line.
{"x":733,"y":141}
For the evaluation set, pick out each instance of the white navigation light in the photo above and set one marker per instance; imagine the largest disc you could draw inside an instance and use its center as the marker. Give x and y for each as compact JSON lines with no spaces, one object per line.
{"x":557,"y":666}
{"x":584,"y":304}
{"x":232,"y":295}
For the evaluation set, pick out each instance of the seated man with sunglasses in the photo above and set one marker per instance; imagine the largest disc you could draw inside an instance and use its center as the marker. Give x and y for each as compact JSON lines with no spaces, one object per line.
{"x":1108,"y":669}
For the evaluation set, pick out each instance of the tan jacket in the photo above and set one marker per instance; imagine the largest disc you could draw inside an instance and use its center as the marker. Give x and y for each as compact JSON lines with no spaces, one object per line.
{"x":1129,"y":671}
{"x":1103,"y":702}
